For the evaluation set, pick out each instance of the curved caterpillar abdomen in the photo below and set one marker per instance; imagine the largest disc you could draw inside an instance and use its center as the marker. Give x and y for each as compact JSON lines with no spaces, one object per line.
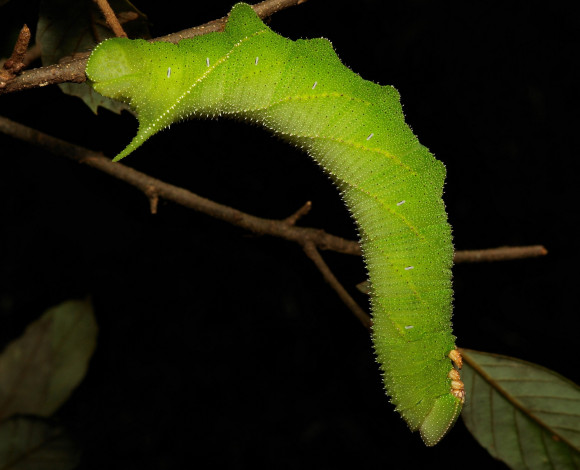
{"x":356,"y":130}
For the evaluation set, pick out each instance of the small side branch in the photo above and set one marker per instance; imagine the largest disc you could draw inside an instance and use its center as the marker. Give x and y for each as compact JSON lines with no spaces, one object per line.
{"x":110,"y":18}
{"x":305,"y":209}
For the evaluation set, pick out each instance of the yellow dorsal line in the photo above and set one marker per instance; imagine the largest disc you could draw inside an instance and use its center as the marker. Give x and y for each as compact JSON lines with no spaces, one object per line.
{"x":389,"y":209}
{"x":210,"y":69}
{"x":351,"y":143}
{"x":381,"y":202}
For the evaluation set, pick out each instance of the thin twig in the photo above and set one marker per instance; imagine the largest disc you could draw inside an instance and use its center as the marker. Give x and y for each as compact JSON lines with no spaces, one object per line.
{"x":15,"y":63}
{"x":314,"y":255}
{"x":305,"y":209}
{"x":73,"y":70}
{"x":111,"y":19}
{"x":263,"y":10}
{"x":502,"y":253}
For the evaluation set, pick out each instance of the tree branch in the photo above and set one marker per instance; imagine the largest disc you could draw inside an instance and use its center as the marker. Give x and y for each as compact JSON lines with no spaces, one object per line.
{"x":284,"y":228}
{"x":73,"y":69}
{"x":312,"y":240}
{"x":154,"y":188}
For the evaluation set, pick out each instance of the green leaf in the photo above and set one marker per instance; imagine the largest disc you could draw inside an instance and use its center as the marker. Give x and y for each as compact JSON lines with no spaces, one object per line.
{"x":39,"y":370}
{"x":67,"y":27}
{"x":31,"y":444}
{"x":522,"y":413}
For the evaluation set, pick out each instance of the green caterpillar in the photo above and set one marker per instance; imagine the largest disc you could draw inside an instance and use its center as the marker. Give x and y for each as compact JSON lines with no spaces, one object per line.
{"x":356,"y":130}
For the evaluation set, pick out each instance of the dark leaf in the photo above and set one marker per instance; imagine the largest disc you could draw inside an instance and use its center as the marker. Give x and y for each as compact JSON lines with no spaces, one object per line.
{"x":39,"y":370}
{"x":522,"y":413}
{"x":31,"y":444}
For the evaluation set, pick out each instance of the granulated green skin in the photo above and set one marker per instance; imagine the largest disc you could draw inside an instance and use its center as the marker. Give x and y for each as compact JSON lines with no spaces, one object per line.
{"x":356,"y":130}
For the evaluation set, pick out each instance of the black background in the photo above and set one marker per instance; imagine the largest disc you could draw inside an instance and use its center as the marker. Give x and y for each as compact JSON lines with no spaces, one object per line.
{"x":217,"y":345}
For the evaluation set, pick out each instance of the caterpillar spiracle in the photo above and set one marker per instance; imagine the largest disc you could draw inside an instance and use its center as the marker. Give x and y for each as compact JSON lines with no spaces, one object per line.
{"x":355,"y":130}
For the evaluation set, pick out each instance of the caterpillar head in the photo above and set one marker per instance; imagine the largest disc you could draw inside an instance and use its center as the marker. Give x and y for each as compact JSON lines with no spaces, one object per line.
{"x":158,"y":80}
